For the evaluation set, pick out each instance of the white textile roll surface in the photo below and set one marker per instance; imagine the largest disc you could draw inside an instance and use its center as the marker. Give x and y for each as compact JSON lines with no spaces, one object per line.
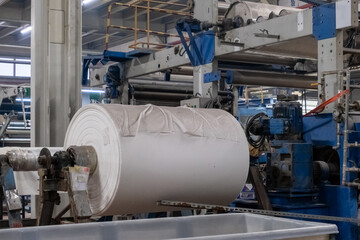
{"x":149,"y":153}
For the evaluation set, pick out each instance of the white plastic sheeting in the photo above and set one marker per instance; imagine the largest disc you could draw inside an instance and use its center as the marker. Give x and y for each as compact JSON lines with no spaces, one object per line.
{"x":242,"y":226}
{"x":149,"y":153}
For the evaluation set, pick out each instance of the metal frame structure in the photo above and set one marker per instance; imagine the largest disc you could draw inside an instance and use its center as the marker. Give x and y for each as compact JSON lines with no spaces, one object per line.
{"x":148,"y":8}
{"x":298,"y":30}
{"x":237,"y":41}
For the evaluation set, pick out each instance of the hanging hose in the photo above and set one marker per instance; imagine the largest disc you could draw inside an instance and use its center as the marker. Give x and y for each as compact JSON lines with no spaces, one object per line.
{"x":257,"y":143}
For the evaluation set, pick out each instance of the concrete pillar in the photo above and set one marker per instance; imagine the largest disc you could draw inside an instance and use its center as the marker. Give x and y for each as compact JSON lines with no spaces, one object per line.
{"x":55,"y":69}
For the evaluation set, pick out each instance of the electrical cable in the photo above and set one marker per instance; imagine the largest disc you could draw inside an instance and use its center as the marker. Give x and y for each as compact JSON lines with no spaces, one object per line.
{"x":182,"y":50}
{"x":260,"y":141}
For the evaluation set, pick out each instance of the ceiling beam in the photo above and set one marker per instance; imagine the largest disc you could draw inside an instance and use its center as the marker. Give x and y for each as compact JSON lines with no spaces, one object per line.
{"x":128,"y":39}
{"x":2,"y":2}
{"x":27,"y":5}
{"x":91,"y":32}
{"x":140,"y":12}
{"x":24,"y":37}
{"x":96,"y":4}
{"x":98,"y":38}
{"x":14,"y":50}
{"x":6,"y":32}
{"x":14,"y":14}
{"x":10,"y":25}
{"x":121,"y":8}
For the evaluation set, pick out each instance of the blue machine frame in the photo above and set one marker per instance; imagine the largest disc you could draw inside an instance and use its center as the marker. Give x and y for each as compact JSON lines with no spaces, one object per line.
{"x":321,"y":130}
{"x":325,"y":198}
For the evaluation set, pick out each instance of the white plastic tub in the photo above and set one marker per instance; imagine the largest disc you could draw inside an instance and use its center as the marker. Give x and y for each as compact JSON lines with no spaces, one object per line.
{"x":222,"y":226}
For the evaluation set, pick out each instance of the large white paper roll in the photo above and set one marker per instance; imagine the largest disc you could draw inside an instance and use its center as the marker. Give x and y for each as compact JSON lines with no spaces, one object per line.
{"x":149,"y":153}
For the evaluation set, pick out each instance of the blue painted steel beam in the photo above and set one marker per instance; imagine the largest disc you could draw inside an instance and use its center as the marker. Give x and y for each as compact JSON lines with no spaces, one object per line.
{"x":201,"y":47}
{"x":324,"y":21}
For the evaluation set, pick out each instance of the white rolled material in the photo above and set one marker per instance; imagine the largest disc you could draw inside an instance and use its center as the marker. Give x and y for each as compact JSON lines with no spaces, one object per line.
{"x":149,"y":153}
{"x":253,"y":10}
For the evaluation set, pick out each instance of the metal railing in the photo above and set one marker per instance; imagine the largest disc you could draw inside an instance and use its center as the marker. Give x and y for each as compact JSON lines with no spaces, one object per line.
{"x":148,"y":8}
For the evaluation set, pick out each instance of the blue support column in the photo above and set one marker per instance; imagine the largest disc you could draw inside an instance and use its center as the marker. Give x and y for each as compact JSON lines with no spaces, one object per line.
{"x":342,"y":202}
{"x":12,"y":198}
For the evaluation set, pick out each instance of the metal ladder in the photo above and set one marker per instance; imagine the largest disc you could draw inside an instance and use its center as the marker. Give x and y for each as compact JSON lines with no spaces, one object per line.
{"x":345,"y":85}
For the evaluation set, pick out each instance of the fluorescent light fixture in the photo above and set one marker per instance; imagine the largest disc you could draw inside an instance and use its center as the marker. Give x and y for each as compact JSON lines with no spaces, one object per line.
{"x":2,"y":22}
{"x":92,"y":91}
{"x":84,"y":2}
{"x":26,"y":30}
{"x":25,"y":99}
{"x":83,"y":90}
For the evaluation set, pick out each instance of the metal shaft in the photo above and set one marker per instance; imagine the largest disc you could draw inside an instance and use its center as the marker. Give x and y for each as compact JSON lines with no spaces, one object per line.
{"x":26,"y":159}
{"x":274,"y":79}
{"x":161,"y":95}
{"x":264,"y":78}
{"x":253,"y":57}
{"x":165,"y":84}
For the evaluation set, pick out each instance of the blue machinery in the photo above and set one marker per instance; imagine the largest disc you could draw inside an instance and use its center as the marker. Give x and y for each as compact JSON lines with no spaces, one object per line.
{"x":304,"y":164}
{"x":312,"y":163}
{"x":306,"y":161}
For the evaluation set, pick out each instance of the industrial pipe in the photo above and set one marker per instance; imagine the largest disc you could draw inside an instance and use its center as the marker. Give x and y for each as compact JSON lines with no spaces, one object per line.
{"x":161,"y":95}
{"x":157,"y":102}
{"x":274,"y":79}
{"x":250,"y":57}
{"x":149,"y":88}
{"x":17,"y":132}
{"x":16,"y":140}
{"x":161,"y":85}
{"x":264,"y":78}
{"x":25,"y":159}
{"x":187,"y":71}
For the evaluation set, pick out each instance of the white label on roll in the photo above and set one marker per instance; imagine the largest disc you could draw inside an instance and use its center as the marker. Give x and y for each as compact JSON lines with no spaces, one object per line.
{"x":79,"y":178}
